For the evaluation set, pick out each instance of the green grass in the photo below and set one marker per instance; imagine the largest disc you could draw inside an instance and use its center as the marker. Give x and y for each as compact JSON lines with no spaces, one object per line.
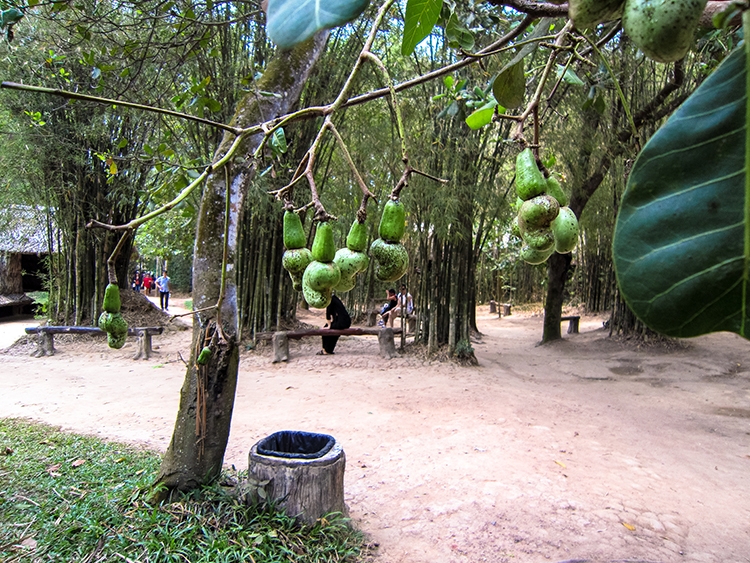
{"x":65,"y":497}
{"x":189,"y":304}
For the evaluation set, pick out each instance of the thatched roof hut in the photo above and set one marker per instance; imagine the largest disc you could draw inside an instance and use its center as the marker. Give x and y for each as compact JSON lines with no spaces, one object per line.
{"x":24,"y":242}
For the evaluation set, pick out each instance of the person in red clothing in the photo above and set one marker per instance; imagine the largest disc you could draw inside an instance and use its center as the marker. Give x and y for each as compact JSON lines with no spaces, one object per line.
{"x":148,"y":282}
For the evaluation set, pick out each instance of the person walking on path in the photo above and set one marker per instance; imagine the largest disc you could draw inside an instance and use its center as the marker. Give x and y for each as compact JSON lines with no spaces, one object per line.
{"x":338,"y":317}
{"x":162,"y":284}
{"x":148,"y":282}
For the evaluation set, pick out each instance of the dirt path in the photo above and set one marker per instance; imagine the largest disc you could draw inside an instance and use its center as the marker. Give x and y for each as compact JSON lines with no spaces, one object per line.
{"x":586,"y":449}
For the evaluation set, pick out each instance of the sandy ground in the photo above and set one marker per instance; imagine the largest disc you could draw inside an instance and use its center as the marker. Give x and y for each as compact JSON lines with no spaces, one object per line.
{"x":585,"y":449}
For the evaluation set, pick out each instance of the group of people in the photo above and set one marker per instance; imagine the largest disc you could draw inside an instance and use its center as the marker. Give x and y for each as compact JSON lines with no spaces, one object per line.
{"x":146,"y":281}
{"x":338,"y":317}
{"x":396,"y":306}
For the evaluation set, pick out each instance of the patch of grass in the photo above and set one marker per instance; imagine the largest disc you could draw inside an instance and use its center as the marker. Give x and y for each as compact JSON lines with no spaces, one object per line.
{"x":189,"y":304}
{"x":65,"y":497}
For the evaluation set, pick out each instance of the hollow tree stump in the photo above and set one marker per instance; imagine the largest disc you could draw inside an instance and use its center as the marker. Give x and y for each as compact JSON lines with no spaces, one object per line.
{"x":387,"y":344}
{"x":280,"y":347}
{"x":305,"y":489}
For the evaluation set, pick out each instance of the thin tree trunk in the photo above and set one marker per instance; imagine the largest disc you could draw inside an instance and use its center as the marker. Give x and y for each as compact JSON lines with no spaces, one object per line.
{"x":196,"y":452}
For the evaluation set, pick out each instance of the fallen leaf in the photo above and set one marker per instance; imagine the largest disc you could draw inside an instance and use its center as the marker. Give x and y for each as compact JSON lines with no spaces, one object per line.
{"x":29,"y":543}
{"x":78,"y":463}
{"x":7,"y":451}
{"x":52,"y":468}
{"x":561,"y":464}
{"x":629,"y":526}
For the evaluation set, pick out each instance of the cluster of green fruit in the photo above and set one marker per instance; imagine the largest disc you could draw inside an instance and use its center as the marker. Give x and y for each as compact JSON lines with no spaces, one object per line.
{"x":662,"y":29}
{"x":543,"y":222}
{"x":111,"y":321}
{"x":322,"y":270}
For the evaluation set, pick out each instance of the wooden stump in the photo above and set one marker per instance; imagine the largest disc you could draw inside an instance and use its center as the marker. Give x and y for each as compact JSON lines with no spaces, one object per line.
{"x":45,"y":345}
{"x":493,"y":307}
{"x":387,"y":345}
{"x":280,"y":347}
{"x":144,"y":345}
{"x":506,"y":309}
{"x":306,"y":489}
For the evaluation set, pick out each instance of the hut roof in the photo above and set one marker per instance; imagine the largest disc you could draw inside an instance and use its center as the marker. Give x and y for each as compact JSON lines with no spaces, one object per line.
{"x":15,"y":299}
{"x":23,"y":229}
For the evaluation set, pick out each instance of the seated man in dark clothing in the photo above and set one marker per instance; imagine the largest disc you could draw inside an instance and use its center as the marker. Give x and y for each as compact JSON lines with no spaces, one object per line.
{"x":390,"y":304}
{"x":337,"y":317}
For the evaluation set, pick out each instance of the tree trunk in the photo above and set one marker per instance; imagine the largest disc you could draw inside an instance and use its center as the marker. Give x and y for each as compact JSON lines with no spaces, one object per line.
{"x":11,"y":279}
{"x":557,"y":274}
{"x":196,"y":452}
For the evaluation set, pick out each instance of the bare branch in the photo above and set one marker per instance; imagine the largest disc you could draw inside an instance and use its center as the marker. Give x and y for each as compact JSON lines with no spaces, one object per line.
{"x":98,"y":100}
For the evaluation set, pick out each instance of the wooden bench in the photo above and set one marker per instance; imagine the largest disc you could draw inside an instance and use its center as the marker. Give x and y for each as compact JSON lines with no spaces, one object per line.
{"x":46,"y":335}
{"x":572,"y":323}
{"x":280,"y":339}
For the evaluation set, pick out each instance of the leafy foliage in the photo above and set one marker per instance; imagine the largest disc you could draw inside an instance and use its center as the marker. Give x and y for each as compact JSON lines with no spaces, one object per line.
{"x":421,"y":17}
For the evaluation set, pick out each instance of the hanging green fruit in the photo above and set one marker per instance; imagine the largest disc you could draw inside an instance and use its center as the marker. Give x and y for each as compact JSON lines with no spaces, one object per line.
{"x":296,"y":257}
{"x":392,"y":221}
{"x":555,"y":190}
{"x":565,"y":229}
{"x":112,"y":303}
{"x":392,"y":260}
{"x":351,"y":260}
{"x":534,"y":257}
{"x":538,"y":212}
{"x":530,"y":181}
{"x":322,"y":274}
{"x":662,"y":29}
{"x":294,"y":234}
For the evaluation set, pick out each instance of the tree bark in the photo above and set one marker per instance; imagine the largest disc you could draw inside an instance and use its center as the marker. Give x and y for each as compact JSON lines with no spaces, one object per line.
{"x":196,"y":452}
{"x":557,"y":275}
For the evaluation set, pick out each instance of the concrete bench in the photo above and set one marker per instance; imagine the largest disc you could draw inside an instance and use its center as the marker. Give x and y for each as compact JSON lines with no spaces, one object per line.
{"x":280,"y":339}
{"x":46,"y":335}
{"x":572,"y":323}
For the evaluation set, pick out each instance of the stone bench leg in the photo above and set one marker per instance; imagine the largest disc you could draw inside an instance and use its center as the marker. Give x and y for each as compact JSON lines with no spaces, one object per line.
{"x":280,"y":347}
{"x":45,"y":345}
{"x":144,"y":346}
{"x":573,"y":326}
{"x":387,"y":344}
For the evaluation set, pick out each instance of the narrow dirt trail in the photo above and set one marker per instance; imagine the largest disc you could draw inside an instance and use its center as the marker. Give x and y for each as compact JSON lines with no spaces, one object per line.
{"x":584,"y":449}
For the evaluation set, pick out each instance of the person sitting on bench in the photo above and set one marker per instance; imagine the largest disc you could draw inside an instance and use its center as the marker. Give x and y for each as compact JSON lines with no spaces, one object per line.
{"x":337,"y":317}
{"x":405,"y":303}
{"x":391,"y":304}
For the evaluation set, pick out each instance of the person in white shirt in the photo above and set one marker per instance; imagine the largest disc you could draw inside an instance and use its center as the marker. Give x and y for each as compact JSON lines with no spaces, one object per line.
{"x":162,"y":284}
{"x":405,"y":302}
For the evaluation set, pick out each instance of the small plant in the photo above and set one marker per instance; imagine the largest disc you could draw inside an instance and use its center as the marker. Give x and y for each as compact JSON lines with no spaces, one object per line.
{"x":464,"y":352}
{"x":41,"y":303}
{"x":189,"y":304}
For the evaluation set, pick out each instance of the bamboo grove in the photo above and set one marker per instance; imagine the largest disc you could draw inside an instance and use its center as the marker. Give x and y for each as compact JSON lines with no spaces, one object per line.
{"x":98,"y":162}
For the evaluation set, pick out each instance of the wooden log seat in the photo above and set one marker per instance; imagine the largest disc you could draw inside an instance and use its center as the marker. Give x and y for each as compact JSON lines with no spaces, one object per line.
{"x":280,"y":340}
{"x":46,"y":335}
{"x":573,"y":321}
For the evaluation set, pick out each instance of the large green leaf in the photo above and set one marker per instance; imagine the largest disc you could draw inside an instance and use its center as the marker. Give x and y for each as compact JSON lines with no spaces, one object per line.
{"x":509,"y":86}
{"x":682,"y":239}
{"x":419,"y":21}
{"x":292,"y":21}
